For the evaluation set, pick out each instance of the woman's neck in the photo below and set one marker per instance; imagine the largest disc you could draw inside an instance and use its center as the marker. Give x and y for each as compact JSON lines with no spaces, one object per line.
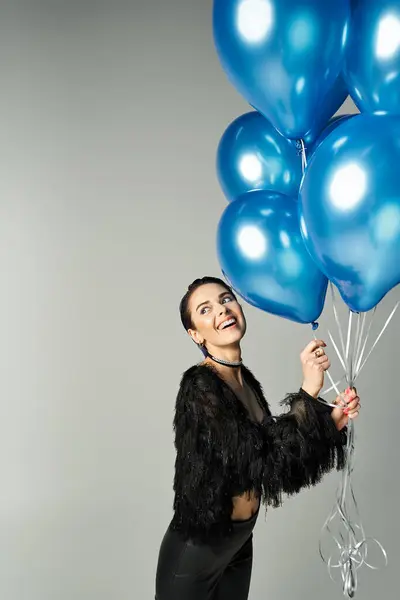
{"x":229,"y":354}
{"x":230,"y":371}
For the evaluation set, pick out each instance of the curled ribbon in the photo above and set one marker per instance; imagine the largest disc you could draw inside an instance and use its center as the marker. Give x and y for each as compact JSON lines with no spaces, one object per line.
{"x":351,"y":542}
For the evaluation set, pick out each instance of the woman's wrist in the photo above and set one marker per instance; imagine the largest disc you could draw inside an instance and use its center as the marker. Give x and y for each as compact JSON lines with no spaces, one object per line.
{"x":310,"y":389}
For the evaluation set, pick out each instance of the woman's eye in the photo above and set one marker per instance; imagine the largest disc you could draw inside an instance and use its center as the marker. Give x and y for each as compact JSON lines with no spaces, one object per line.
{"x":227,"y":299}
{"x":204,"y":310}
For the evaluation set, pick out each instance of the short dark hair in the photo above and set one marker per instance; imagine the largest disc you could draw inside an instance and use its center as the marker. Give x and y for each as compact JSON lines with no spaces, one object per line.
{"x":186,"y":317}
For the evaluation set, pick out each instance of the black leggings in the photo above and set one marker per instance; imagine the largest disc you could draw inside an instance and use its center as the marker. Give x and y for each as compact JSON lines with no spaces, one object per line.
{"x":216,"y":571}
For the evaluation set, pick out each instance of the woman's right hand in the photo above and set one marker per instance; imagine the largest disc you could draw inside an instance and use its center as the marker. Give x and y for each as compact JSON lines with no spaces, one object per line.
{"x":348,"y":408}
{"x":314,"y":363}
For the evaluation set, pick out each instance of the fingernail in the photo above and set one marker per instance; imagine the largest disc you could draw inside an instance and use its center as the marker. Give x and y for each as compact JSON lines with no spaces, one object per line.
{"x":346,"y":410}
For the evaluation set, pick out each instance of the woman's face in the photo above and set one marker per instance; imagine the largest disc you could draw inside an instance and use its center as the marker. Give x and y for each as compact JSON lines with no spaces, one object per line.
{"x":217,"y":317}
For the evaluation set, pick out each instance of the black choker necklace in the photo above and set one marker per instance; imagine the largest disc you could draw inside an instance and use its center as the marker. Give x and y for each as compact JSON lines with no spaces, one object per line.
{"x":226,"y":363}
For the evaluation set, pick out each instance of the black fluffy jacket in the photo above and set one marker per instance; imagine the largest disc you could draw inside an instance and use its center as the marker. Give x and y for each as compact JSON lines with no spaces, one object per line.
{"x":221,"y":452}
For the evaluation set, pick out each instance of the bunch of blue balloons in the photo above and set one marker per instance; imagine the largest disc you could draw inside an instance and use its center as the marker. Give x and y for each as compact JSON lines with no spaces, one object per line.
{"x":312,"y":197}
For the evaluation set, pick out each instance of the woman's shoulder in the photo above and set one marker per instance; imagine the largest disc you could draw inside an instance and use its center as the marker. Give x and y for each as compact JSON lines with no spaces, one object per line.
{"x":202,"y":393}
{"x":200,"y":375}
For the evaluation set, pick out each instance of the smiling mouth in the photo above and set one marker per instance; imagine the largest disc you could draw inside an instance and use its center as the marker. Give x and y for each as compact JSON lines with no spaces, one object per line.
{"x":228,"y":324}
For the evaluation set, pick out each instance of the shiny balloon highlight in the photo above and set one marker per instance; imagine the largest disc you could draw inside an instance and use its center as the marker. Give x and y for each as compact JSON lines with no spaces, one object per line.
{"x":350,"y":208}
{"x":262,"y":255}
{"x":332,"y":125}
{"x":253,"y":155}
{"x":284,"y":57}
{"x":372,"y":68}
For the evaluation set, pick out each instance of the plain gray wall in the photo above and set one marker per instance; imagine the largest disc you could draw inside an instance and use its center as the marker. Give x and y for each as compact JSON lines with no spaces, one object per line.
{"x":111,"y":114}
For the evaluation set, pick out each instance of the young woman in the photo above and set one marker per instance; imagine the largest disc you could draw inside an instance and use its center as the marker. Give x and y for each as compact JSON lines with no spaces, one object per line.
{"x":232,"y":454}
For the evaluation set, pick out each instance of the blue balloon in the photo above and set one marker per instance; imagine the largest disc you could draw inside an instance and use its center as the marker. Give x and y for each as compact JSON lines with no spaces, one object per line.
{"x":262,"y":255}
{"x":253,"y":155}
{"x":372,"y":68}
{"x":332,"y":124}
{"x":331,"y":104}
{"x":283,"y":56}
{"x":350,"y":208}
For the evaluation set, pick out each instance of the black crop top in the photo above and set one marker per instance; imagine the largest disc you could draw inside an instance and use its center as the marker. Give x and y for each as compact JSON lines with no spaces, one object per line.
{"x":221,"y":452}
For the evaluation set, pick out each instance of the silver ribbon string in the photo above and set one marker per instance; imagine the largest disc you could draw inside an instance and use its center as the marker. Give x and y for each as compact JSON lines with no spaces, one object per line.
{"x":350,"y":540}
{"x":301,"y":149}
{"x":364,"y":343}
{"x":390,"y":317}
{"x":346,"y":531}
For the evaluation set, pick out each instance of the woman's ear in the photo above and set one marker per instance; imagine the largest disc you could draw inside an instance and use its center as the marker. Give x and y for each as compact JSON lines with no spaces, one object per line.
{"x":195,"y":336}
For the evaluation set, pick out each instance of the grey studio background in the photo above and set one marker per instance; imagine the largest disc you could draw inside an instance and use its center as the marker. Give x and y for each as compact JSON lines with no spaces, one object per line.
{"x":110,"y":115}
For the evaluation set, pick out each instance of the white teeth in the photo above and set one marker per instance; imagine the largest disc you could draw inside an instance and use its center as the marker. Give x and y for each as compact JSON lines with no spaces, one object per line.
{"x":227,"y":323}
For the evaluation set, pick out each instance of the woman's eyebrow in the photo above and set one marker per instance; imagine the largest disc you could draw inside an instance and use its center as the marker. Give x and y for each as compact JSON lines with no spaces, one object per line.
{"x":208,"y":301}
{"x":201,"y":304}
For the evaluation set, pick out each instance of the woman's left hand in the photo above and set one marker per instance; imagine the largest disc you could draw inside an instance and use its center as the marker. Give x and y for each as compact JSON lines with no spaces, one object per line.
{"x":348,"y":408}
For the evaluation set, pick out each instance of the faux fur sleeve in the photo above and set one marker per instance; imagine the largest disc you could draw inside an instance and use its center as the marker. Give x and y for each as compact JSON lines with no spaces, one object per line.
{"x":301,"y":446}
